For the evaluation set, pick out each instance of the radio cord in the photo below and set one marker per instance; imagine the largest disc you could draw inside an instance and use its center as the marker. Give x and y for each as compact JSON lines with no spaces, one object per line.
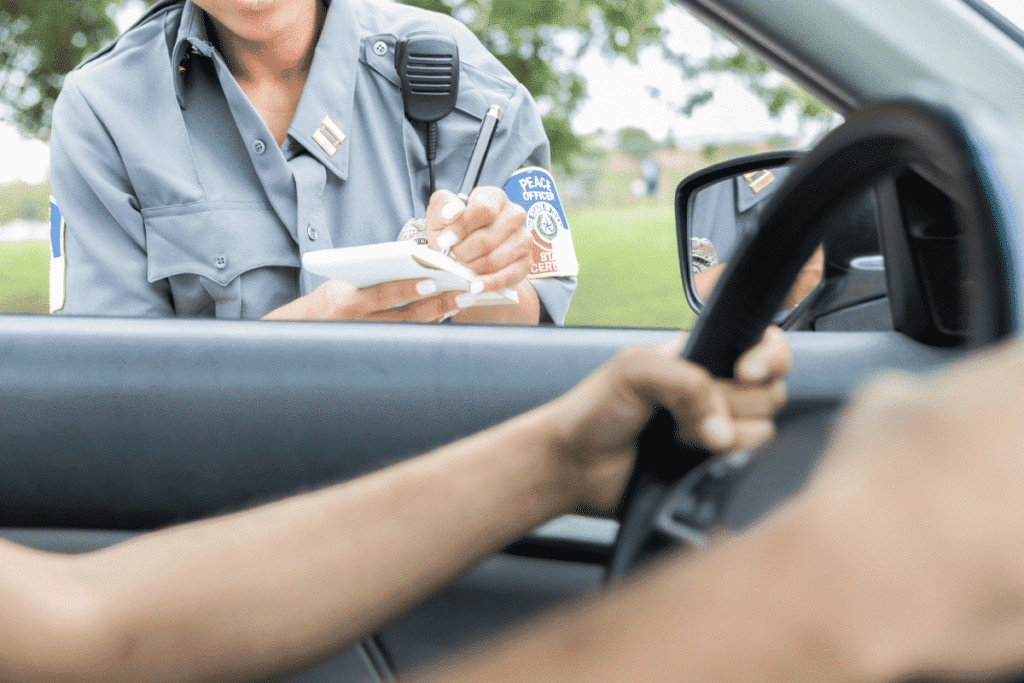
{"x":431,"y":151}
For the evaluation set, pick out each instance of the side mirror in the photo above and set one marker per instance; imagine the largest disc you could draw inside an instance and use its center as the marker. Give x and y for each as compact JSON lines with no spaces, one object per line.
{"x":716,"y":207}
{"x":843,"y":286}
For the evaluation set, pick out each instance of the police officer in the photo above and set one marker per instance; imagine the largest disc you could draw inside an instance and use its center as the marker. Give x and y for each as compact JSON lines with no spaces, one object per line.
{"x":216,"y":141}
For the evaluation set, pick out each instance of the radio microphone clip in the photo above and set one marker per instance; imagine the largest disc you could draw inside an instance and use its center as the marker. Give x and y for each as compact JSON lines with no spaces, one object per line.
{"x":428,"y":66}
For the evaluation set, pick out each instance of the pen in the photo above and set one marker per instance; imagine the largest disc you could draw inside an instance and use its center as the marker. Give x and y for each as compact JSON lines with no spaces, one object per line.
{"x":476,"y":163}
{"x":480,"y":149}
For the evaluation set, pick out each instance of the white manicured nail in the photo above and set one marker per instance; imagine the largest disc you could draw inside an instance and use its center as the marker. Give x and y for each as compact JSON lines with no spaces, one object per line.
{"x":476,"y":286}
{"x":452,"y":209}
{"x":717,"y":431}
{"x":464,"y":300}
{"x":447,"y":240}
{"x":426,"y":287}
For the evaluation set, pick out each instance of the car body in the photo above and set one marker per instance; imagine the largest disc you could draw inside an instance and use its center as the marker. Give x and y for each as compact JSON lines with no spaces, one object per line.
{"x":110,"y":428}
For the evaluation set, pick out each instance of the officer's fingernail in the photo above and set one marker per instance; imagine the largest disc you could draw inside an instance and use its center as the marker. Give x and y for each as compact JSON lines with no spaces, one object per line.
{"x":447,"y":240}
{"x":452,"y":209}
{"x":717,"y":431}
{"x":426,"y":287}
{"x":464,"y":300}
{"x":449,"y":314}
{"x":476,"y":286}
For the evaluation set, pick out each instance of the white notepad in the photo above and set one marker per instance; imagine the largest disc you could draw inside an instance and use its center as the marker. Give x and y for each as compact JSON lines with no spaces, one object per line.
{"x":376,"y":263}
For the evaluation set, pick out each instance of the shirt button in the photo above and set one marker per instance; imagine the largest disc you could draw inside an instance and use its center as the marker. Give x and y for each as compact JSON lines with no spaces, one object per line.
{"x":259,"y":147}
{"x":221,"y":262}
{"x":380,"y":48}
{"x":311,"y":231}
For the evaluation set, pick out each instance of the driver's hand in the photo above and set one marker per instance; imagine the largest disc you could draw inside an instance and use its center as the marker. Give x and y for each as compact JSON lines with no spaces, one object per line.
{"x":916,"y":512}
{"x":598,"y":420}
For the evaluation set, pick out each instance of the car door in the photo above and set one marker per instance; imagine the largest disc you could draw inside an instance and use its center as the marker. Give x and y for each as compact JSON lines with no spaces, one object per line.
{"x":110,"y":428}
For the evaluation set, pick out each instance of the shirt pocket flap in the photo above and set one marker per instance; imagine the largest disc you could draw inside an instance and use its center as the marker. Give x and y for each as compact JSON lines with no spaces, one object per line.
{"x":217,"y":240}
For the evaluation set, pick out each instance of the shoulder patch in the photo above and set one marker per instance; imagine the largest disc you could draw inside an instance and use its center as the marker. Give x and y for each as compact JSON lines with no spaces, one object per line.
{"x":57,"y":259}
{"x":553,"y":252}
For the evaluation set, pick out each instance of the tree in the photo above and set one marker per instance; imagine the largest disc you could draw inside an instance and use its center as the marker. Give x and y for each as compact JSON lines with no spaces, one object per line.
{"x":778,"y":94}
{"x":636,"y":142}
{"x":539,"y":41}
{"x":40,"y":41}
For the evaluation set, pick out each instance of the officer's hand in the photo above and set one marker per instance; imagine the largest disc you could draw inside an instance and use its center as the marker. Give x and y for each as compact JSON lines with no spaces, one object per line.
{"x":598,"y":421}
{"x":488,"y":233}
{"x":397,"y":301}
{"x":808,"y":278}
{"x":916,"y":509}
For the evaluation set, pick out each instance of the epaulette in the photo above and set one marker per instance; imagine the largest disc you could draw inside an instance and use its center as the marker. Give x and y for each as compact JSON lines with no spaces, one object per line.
{"x":147,"y":16}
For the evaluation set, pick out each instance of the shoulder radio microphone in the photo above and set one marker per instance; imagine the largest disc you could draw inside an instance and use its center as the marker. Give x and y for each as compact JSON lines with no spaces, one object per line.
{"x":428,"y":66}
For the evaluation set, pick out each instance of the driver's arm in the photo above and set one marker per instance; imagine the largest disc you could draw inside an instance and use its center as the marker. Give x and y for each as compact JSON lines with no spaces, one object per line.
{"x":260,"y":591}
{"x":903,"y":559}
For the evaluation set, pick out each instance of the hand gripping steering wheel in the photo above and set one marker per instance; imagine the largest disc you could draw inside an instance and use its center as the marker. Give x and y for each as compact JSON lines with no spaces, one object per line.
{"x":874,"y":144}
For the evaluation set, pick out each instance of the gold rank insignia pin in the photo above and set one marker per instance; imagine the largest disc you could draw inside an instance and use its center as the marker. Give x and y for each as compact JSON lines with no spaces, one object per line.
{"x":758,"y":180}
{"x":329,"y":136}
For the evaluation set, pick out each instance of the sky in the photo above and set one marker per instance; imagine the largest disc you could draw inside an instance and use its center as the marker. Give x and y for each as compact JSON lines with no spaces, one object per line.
{"x":617,"y":97}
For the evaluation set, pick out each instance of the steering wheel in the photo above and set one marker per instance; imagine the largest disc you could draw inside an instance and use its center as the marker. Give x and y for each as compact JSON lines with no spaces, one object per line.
{"x":874,"y":144}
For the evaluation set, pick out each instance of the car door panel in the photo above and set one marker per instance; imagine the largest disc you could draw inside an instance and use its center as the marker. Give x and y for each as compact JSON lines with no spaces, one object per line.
{"x":146,"y":423}
{"x":499,"y":593}
{"x":138,"y":424}
{"x":113,"y":428}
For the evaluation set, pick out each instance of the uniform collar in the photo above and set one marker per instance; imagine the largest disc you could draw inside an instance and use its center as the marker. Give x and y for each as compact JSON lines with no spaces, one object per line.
{"x":327,"y":99}
{"x":191,"y":38}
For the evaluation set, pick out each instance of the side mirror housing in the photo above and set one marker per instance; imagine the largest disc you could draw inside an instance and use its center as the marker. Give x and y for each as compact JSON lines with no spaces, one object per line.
{"x":715,"y":207}
{"x":842,"y":288}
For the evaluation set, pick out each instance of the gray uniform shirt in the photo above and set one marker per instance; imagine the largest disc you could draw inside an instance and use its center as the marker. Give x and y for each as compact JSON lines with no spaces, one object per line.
{"x":178,"y":201}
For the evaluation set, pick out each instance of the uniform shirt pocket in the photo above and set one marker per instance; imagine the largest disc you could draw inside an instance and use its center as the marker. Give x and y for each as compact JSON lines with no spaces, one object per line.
{"x":206,"y":250}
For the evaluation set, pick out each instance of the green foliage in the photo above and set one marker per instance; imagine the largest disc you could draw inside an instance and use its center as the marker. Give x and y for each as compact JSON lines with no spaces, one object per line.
{"x":778,"y":141}
{"x":629,"y":268}
{"x":40,"y":41}
{"x":20,"y":200}
{"x":777,"y":93}
{"x":713,"y":153}
{"x":25,"y":277}
{"x":539,"y":41}
{"x":636,"y":142}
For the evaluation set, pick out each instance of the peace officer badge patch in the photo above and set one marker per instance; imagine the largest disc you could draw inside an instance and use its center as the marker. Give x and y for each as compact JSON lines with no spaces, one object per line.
{"x":553,"y":253}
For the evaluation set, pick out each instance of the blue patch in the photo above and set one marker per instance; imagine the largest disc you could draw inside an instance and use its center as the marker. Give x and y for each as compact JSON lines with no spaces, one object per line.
{"x":530,"y":186}
{"x":54,"y":230}
{"x":551,"y":248}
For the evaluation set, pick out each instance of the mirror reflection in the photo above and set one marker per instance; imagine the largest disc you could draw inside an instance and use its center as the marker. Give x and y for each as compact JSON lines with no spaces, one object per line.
{"x":721,"y":214}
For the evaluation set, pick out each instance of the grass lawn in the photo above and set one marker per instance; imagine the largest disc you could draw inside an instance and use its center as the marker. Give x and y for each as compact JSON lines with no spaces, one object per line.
{"x":25,"y":277}
{"x":629,"y":272}
{"x":629,"y":268}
